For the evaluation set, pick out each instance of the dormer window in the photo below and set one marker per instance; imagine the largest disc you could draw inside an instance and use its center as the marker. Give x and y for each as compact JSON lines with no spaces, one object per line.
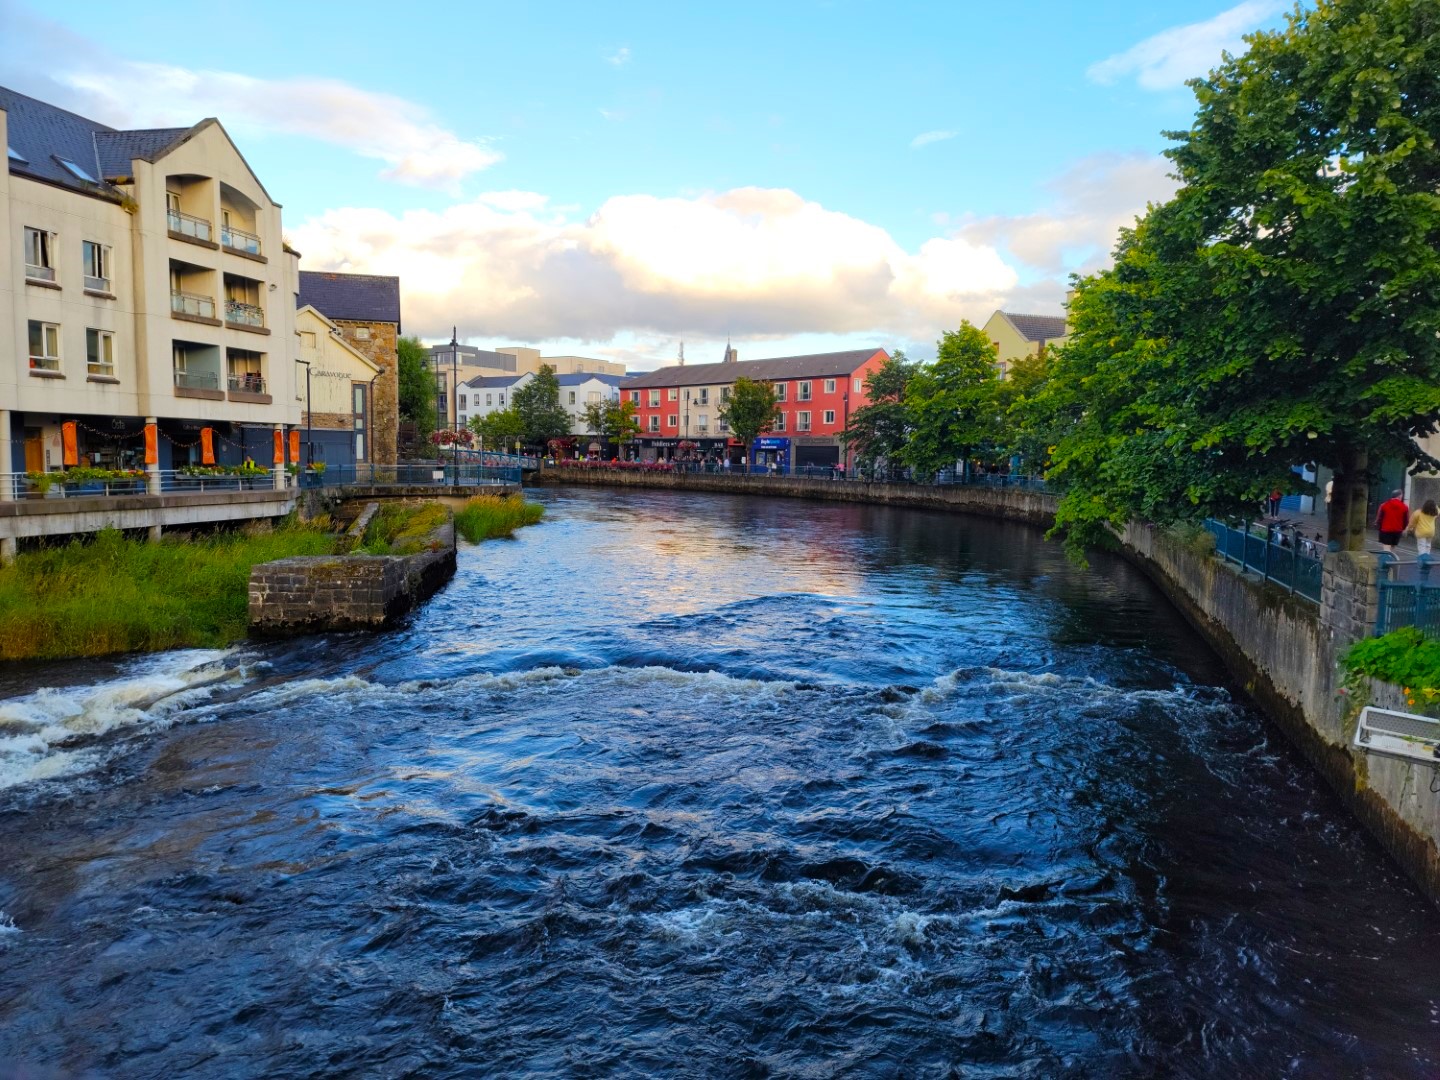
{"x":76,"y":171}
{"x":12,"y":155}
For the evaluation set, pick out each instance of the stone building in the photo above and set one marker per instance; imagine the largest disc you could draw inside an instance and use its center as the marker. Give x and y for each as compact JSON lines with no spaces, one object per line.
{"x":365,"y":308}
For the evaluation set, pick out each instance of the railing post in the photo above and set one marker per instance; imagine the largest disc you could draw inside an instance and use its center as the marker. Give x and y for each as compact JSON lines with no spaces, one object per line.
{"x":1422,"y":590}
{"x":1295,"y":561}
{"x":1382,"y":582}
{"x":1265,"y":564}
{"x":1244,"y":546}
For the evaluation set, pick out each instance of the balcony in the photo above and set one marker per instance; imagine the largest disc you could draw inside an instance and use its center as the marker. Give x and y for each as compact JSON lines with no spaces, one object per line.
{"x":97,"y":284}
{"x":249,"y":386}
{"x":244,"y":315}
{"x":197,"y":380}
{"x":186,"y":227}
{"x":239,"y":241}
{"x":39,"y":273}
{"x":193,"y":306}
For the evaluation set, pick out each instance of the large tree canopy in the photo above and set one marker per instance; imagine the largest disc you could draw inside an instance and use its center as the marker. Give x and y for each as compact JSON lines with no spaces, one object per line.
{"x":878,"y":432}
{"x":1284,"y":306}
{"x":952,"y":406}
{"x":750,"y":410}
{"x":417,"y":386}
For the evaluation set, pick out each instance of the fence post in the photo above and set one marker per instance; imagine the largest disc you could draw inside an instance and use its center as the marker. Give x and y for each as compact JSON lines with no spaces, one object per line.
{"x":1265,"y":571}
{"x":1382,"y":582}
{"x":1294,"y":560}
{"x":1421,"y":590}
{"x":1244,"y":546}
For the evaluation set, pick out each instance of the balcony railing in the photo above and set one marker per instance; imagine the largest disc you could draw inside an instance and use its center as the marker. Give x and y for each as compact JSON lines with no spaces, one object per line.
{"x":186,"y":225}
{"x":239,"y":240}
{"x":197,"y":380}
{"x":97,"y":284}
{"x":45,"y":363}
{"x":39,"y":273}
{"x":184,"y":303}
{"x":250,"y":382}
{"x":244,"y":314}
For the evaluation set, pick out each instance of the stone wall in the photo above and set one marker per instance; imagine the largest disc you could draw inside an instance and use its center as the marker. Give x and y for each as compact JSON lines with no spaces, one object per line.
{"x":1283,"y":649}
{"x":380,"y":346}
{"x":315,"y":594}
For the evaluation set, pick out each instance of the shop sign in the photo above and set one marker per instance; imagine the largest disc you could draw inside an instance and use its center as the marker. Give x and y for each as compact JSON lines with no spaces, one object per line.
{"x":768,"y":442}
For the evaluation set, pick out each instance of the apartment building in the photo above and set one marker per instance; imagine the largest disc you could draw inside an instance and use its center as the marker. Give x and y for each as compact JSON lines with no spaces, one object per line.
{"x":816,"y":395}
{"x":147,"y":301}
{"x":1017,"y":336}
{"x":486,"y":394}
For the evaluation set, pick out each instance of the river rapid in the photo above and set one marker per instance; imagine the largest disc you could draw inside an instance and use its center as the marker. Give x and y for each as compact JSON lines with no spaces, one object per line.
{"x":700,"y":785}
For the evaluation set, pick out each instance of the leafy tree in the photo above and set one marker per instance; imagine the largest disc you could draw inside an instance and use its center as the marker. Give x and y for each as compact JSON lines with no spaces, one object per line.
{"x":750,"y":410}
{"x":499,"y":429}
{"x":1015,"y":397}
{"x":878,"y":432}
{"x":952,"y":403}
{"x":417,"y":386}
{"x":1283,"y":307}
{"x":538,"y":403}
{"x":615,"y":420}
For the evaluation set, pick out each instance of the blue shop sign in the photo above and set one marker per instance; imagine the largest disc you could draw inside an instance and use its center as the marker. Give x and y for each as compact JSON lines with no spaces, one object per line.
{"x":768,"y":443}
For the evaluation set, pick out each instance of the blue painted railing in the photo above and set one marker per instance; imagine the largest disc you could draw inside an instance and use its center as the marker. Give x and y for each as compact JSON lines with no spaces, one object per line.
{"x":1282,"y":555}
{"x":1408,"y":603}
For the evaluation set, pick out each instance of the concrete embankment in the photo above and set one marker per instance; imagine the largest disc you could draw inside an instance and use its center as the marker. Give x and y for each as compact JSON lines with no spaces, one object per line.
{"x":1284,"y":649}
{"x":315,"y":594}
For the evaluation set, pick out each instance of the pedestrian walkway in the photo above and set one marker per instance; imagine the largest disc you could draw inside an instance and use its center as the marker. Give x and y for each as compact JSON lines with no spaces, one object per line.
{"x":1315,"y":525}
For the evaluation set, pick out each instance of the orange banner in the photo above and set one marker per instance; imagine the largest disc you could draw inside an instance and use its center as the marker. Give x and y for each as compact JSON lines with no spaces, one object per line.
{"x":279,"y":448}
{"x":207,"y":446}
{"x":295,"y":446}
{"x":67,"y":439}
{"x":152,"y":444}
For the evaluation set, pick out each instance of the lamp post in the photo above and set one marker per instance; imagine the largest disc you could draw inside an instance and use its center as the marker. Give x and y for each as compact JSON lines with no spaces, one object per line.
{"x":309,"y":418}
{"x":845,"y":400}
{"x":455,"y":399}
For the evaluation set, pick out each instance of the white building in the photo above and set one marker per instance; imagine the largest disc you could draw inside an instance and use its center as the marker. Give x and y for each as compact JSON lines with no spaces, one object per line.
{"x":488,"y":394}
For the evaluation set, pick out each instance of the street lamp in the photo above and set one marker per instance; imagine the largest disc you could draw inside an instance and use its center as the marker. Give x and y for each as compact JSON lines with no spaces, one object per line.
{"x":455,"y":399}
{"x":309,"y":418}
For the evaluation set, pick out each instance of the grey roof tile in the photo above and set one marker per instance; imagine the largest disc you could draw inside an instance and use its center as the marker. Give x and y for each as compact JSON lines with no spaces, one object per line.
{"x":357,"y":297}
{"x":1037,"y":327}
{"x":117,"y":149}
{"x":813,"y":366}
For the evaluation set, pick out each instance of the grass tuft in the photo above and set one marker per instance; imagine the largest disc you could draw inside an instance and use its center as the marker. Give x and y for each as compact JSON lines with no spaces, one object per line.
{"x":397,"y":529}
{"x":487,"y":516}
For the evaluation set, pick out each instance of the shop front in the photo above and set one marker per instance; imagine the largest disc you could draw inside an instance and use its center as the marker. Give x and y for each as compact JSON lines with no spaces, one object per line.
{"x":770,"y":451}
{"x":822,"y":451}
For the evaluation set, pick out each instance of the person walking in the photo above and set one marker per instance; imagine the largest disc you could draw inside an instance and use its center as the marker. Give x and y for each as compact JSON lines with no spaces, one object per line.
{"x":1275,"y":497}
{"x":1391,"y":520}
{"x":1422,"y":526}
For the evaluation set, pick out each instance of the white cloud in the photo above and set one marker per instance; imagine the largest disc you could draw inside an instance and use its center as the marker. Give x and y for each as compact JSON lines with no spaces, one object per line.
{"x":81,"y":75}
{"x":1092,"y":201}
{"x":620,"y":57}
{"x":753,"y":261}
{"x":925,"y":138}
{"x":1166,"y":60}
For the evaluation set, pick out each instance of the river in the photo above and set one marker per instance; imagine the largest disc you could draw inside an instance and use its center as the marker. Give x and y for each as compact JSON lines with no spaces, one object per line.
{"x":700,"y":785}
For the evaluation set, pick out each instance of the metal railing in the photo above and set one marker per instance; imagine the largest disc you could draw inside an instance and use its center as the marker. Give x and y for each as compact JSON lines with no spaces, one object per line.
{"x":244,"y":314}
{"x":186,"y":225}
{"x":239,"y":240}
{"x":20,"y":486}
{"x":1407,"y":603}
{"x":1277,"y":553}
{"x":411,"y":474}
{"x":97,"y":284}
{"x":249,"y":382}
{"x":197,"y":380}
{"x":184,"y":303}
{"x":808,"y":472}
{"x":39,"y":273}
{"x":182,"y":480}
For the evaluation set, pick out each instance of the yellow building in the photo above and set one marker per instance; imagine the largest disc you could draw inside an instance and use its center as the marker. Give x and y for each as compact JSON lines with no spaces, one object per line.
{"x":338,"y":416}
{"x":1017,"y":336}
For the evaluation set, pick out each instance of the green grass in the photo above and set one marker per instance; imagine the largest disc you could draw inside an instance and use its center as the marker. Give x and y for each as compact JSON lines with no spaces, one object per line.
{"x":113,"y":595}
{"x":398,"y":529}
{"x":487,"y":516}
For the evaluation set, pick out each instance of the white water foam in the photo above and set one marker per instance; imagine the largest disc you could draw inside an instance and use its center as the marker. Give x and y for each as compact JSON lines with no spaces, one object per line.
{"x":38,"y":732}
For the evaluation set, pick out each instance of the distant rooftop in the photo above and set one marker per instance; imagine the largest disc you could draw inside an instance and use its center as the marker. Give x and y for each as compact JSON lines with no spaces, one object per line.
{"x":812,"y":366}
{"x":1037,"y":327}
{"x":357,"y":297}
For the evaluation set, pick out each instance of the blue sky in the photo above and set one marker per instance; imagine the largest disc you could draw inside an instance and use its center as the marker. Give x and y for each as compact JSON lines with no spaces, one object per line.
{"x":614,"y":178}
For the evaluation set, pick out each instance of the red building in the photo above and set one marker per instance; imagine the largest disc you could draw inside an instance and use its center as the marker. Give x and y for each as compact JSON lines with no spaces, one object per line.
{"x":816,"y":394}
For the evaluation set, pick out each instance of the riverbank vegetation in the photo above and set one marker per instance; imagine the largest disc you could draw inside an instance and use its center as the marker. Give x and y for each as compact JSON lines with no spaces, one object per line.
{"x":111,"y":594}
{"x":488,"y":516}
{"x":401,"y":529}
{"x":1405,"y":658}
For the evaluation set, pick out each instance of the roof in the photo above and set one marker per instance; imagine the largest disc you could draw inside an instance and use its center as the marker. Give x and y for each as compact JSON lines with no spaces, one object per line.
{"x":813,"y":366}
{"x":1037,"y":327}
{"x":357,"y":297}
{"x":577,"y":377}
{"x":43,"y":136}
{"x":118,"y":149}
{"x":491,"y":382}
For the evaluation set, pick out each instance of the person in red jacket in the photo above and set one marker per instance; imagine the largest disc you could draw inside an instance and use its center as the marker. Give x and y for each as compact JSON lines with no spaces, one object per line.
{"x":1391,"y":519}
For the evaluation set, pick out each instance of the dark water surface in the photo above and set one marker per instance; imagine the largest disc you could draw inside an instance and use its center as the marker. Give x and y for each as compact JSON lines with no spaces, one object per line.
{"x":702,"y":786}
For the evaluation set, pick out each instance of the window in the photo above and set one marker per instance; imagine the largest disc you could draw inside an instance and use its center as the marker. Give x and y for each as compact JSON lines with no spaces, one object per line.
{"x":362,"y":417}
{"x":44,"y":346}
{"x":463,"y":404}
{"x":673,"y":420}
{"x":97,"y":266}
{"x":804,"y":394}
{"x":489,"y":399}
{"x":780,"y":391}
{"x":704,"y":395}
{"x":572,"y":397}
{"x":654,"y":423}
{"x":673,"y":394}
{"x":859,"y":386}
{"x":722,"y":425}
{"x":635,"y":397}
{"x":172,"y":202}
{"x":829,"y":386}
{"x":829,"y":416}
{"x":100,"y":352}
{"x":502,"y":401}
{"x":802,"y":421}
{"x":362,"y":333}
{"x":75,"y":170}
{"x":39,"y":255}
{"x":779,"y":424}
{"x":704,"y":422}
{"x":307,"y":338}
{"x":654,"y":399}
{"x":724,"y":394}
{"x":12,"y":155}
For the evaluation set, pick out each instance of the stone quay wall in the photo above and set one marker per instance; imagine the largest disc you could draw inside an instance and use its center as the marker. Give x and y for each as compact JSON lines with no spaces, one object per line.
{"x":316,"y":594}
{"x":1283,"y":649}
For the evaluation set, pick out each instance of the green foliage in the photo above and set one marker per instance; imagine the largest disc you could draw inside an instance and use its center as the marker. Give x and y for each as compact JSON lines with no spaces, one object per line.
{"x":417,"y":386}
{"x":113,"y":595}
{"x":750,"y":410}
{"x":877,"y":432}
{"x":487,"y":516}
{"x":952,"y":403}
{"x":1405,"y":657}
{"x":400,"y":529}
{"x":615,"y":420}
{"x":499,"y":429}
{"x":1283,"y":307}
{"x":538,"y":404}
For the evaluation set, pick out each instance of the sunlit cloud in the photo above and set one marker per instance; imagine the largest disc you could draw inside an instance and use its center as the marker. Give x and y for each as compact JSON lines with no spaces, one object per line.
{"x":1166,"y":60}
{"x":620,"y":57}
{"x":925,"y":138}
